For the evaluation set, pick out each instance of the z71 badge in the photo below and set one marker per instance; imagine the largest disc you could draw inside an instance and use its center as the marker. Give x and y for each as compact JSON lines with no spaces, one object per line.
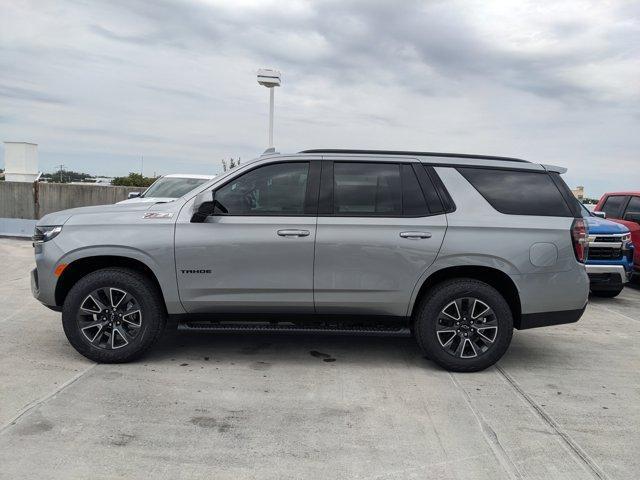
{"x":153,"y":215}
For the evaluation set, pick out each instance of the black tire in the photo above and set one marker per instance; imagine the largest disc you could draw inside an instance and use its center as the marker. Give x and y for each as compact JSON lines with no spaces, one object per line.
{"x":607,"y":293}
{"x":427,"y":323}
{"x":151,"y":316}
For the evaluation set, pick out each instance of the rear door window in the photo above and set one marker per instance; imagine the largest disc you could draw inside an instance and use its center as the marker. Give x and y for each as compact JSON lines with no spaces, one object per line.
{"x":364,"y":189}
{"x":612,"y":205}
{"x":381,"y":189}
{"x":517,"y":192}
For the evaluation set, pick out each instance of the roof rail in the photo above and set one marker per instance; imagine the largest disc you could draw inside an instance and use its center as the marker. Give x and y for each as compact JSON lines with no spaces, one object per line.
{"x":424,"y":154}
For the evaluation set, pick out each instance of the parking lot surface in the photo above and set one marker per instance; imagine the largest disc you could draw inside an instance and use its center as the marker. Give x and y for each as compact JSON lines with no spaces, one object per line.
{"x":563,"y":403}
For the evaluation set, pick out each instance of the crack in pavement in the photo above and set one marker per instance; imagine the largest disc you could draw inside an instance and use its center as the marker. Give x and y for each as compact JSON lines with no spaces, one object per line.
{"x":35,"y":404}
{"x":591,"y":465}
{"x":490,"y":436}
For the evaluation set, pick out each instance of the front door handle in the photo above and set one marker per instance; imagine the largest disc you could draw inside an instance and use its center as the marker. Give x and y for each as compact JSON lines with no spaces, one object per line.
{"x":415,"y":235}
{"x":293,"y":233}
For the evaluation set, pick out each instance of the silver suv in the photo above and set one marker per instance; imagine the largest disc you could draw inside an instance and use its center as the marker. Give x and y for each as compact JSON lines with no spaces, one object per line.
{"x":454,"y":249}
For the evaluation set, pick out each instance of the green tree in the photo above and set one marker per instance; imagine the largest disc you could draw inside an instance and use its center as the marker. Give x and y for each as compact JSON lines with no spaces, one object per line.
{"x":65,"y":176}
{"x":233,"y":163}
{"x":133,"y":180}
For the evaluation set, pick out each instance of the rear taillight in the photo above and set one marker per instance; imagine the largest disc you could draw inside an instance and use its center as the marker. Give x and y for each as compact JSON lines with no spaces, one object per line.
{"x":580,"y":239}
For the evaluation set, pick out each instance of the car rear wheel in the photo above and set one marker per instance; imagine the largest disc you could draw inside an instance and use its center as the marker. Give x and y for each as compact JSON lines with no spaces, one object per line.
{"x":464,"y":325}
{"x":113,"y":315}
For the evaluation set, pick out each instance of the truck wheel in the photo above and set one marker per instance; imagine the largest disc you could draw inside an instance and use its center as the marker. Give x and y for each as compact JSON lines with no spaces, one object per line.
{"x":113,"y":315}
{"x":607,"y":293}
{"x":464,"y":325}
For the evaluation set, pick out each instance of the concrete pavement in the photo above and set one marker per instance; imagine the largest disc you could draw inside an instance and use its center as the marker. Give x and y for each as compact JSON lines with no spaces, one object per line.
{"x":563,"y":403}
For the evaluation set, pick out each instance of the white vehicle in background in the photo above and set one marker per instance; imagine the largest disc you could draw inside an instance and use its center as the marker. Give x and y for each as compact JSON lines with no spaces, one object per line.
{"x":168,"y":187}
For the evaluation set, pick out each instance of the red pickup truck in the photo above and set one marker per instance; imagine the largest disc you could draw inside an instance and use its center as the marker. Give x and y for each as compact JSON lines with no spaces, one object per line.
{"x":624,"y":207}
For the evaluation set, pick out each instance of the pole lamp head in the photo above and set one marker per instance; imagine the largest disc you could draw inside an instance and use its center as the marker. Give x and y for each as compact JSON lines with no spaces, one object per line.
{"x":268,"y":78}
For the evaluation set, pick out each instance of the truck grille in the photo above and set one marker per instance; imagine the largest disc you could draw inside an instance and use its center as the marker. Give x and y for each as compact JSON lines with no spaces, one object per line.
{"x":607,"y":239}
{"x":604,"y":253}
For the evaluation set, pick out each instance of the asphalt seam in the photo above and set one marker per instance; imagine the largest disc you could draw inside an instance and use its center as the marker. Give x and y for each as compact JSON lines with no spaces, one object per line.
{"x":32,"y":406}
{"x":490,"y":436}
{"x":14,"y":314}
{"x":597,"y":305}
{"x":570,"y":442}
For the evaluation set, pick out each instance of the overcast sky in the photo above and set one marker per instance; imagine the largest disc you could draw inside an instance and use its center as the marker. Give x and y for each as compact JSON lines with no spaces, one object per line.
{"x":99,"y":84}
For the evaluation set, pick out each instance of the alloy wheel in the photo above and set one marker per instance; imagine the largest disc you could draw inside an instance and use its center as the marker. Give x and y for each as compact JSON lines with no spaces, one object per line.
{"x":467,"y":327}
{"x":110,"y":318}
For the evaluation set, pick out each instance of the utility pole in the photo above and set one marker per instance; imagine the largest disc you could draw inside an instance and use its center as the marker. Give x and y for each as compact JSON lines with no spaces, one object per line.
{"x":141,"y":165}
{"x":61,"y":169}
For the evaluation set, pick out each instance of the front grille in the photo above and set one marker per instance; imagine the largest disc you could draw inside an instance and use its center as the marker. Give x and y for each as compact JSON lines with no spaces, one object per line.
{"x":607,"y":239}
{"x":604,"y":253}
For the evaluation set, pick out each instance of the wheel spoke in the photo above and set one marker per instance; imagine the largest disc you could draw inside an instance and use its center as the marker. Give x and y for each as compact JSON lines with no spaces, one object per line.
{"x":488,"y":334}
{"x":133,"y":318}
{"x":483,"y":306}
{"x":93,"y":330}
{"x":468,"y":349}
{"x":116,"y":296}
{"x":118,"y":336}
{"x":456,"y":310}
{"x":446,"y":337}
{"x":91,"y":304}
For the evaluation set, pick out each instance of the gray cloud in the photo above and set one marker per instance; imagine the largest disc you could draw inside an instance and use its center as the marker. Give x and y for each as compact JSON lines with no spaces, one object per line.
{"x":363,"y":39}
{"x":29,"y":95}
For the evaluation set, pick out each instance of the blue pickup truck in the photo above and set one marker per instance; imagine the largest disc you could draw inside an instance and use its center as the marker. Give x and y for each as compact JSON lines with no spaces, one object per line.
{"x":610,"y":255}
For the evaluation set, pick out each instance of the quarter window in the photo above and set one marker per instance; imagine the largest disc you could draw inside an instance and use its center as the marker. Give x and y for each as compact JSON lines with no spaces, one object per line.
{"x":277,"y":189}
{"x":634,"y":205}
{"x":612,"y":205}
{"x":517,"y":192}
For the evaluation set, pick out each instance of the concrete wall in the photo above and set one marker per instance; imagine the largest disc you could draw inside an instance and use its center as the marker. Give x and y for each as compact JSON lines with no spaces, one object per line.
{"x":17,"y":200}
{"x":53,"y":197}
{"x":31,"y":201}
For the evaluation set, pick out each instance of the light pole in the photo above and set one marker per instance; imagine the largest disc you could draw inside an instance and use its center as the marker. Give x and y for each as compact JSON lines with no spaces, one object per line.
{"x":270,"y":79}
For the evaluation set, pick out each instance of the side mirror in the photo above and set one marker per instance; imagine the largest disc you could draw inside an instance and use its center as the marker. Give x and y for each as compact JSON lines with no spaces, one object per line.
{"x":600,"y":214}
{"x":632,"y":217}
{"x":133,"y":194}
{"x":206,"y":205}
{"x":203,"y":206}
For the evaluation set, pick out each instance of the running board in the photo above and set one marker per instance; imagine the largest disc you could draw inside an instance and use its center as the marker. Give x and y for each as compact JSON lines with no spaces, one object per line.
{"x":233,"y":327}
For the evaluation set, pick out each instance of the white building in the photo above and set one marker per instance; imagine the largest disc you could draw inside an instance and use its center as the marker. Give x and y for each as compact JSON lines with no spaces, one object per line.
{"x":21,"y":162}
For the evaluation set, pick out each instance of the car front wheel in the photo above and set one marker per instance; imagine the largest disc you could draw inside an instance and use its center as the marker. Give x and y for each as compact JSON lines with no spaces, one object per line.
{"x":113,"y":315}
{"x":464,"y":325}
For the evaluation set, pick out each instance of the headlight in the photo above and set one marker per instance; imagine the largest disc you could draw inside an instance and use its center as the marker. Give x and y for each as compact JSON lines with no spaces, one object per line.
{"x":45,"y":233}
{"x":626,"y":238}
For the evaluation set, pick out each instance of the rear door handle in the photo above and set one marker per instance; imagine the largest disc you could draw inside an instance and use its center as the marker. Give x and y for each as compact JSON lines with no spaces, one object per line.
{"x":415,"y":235}
{"x":293,"y":233}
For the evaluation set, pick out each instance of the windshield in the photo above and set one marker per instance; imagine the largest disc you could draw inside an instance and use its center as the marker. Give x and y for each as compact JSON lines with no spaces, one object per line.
{"x":172,"y":187}
{"x":585,"y":211}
